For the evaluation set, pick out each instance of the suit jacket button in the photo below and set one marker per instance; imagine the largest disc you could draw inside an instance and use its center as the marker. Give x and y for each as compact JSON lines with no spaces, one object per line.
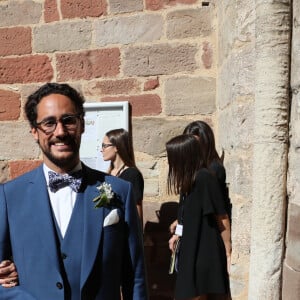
{"x":59,"y":285}
{"x":63,"y":256}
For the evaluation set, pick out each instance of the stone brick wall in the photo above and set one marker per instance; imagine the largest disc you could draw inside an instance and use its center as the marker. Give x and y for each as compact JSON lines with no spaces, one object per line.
{"x":291,"y":267}
{"x":235,"y":101}
{"x":175,"y":61}
{"x":161,"y":56}
{"x":158,"y":55}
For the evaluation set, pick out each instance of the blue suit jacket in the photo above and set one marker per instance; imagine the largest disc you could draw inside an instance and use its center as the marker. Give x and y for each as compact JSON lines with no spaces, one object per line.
{"x":112,"y":256}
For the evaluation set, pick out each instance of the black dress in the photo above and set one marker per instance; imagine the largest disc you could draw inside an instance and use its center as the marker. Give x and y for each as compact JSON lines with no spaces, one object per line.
{"x":134,"y":176}
{"x":202,"y":256}
{"x":219,"y":171}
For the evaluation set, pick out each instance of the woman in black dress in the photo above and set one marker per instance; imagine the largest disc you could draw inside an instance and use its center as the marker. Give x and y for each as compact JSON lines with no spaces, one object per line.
{"x":214,"y":163}
{"x":211,"y":157}
{"x":118,"y":148}
{"x":202,"y":262}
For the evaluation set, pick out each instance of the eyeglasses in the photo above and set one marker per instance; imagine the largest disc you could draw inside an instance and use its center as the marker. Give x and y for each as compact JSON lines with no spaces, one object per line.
{"x":48,"y":125}
{"x":104,"y":146}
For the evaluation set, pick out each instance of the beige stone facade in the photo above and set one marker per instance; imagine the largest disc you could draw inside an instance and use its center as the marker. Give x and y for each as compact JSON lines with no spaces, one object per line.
{"x":233,"y":63}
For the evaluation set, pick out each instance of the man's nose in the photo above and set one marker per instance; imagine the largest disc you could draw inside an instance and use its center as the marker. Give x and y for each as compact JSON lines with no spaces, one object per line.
{"x":60,"y":129}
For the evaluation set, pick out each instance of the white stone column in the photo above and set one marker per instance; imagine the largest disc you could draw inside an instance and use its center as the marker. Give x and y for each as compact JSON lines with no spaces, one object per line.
{"x":270,"y":148}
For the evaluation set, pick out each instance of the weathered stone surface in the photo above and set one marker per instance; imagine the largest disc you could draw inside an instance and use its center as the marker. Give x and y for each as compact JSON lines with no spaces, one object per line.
{"x":237,"y":283}
{"x":267,"y":234}
{"x":4,"y":172}
{"x":20,"y":13}
{"x":96,"y":89}
{"x":88,"y":64}
{"x":15,"y":41}
{"x":50,"y":11}
{"x":151,"y":134}
{"x":124,"y":6}
{"x":207,"y":56}
{"x":83,"y":8}
{"x":189,"y":23}
{"x":236,"y":127}
{"x":26,"y":69}
{"x":141,"y":105}
{"x":237,"y":26}
{"x":159,"y":59}
{"x":10,"y":146}
{"x":239,"y":172}
{"x":293,"y":238}
{"x":241,"y":230}
{"x":161,"y":4}
{"x":126,"y":30}
{"x":62,"y":37}
{"x":189,"y":95}
{"x":151,"y":188}
{"x":236,"y":77}
{"x":295,"y":63}
{"x":291,"y":266}
{"x":149,"y":167}
{"x":151,"y":84}
{"x":10,"y":105}
{"x":294,"y":151}
{"x":291,"y":283}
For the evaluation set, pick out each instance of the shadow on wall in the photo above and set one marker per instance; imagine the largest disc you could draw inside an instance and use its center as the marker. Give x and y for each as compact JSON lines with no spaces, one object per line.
{"x":157,"y":253}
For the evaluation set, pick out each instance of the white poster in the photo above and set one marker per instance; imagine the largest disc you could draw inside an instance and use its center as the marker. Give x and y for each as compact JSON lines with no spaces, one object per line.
{"x":100,"y":117}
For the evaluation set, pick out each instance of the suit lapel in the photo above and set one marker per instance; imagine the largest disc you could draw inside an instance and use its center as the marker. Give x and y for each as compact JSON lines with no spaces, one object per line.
{"x":42,"y":215}
{"x":93,"y":223}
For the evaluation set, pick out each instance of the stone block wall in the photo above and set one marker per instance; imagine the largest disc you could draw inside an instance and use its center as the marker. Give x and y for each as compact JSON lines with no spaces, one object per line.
{"x":158,"y":55}
{"x":161,"y":56}
{"x":174,"y":61}
{"x":291,"y":267}
{"x":235,"y":105}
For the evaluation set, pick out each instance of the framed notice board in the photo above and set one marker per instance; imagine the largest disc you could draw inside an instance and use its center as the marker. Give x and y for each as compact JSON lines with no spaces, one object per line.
{"x":99,"y":118}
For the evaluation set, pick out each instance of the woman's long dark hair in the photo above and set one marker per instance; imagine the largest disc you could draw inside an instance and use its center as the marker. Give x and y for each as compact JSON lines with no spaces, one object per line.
{"x":206,"y":139}
{"x":121,"y":139}
{"x":185,"y":160}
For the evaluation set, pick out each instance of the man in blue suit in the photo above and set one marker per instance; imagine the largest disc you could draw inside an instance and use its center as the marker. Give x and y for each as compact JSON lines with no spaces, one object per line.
{"x":73,"y":232}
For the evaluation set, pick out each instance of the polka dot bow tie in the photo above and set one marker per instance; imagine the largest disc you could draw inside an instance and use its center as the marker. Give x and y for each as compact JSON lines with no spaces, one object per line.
{"x":58,"y":181}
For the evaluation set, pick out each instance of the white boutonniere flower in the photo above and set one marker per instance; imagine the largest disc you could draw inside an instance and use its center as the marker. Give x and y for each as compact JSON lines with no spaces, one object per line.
{"x":105,"y":195}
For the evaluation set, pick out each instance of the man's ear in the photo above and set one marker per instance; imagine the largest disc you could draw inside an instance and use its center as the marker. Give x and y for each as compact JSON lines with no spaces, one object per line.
{"x":35,"y":134}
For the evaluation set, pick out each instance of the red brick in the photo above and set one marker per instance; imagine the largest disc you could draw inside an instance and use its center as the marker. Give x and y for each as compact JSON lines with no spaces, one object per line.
{"x":50,"y":11}
{"x":15,"y":41}
{"x":151,"y":84}
{"x":207,"y":56}
{"x":88,"y":64}
{"x":36,"y":68}
{"x":160,"y":4}
{"x":83,"y":8}
{"x":20,"y":167}
{"x":113,"y":87}
{"x":141,"y":105}
{"x":9,"y":105}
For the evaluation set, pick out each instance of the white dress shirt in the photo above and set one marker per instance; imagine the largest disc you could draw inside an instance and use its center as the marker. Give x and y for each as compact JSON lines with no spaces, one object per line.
{"x":62,"y":202}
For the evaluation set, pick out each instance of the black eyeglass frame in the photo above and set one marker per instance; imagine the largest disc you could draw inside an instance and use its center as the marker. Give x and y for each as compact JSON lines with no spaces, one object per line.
{"x":104,"y":146}
{"x":62,"y":120}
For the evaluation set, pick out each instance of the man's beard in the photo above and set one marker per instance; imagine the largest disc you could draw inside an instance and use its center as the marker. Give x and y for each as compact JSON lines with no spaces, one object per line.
{"x":63,"y":162}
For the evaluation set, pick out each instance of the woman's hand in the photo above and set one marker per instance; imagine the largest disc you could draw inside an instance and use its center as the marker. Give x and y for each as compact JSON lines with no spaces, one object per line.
{"x":172,"y":241}
{"x":172,"y":227}
{"x":8,"y":274}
